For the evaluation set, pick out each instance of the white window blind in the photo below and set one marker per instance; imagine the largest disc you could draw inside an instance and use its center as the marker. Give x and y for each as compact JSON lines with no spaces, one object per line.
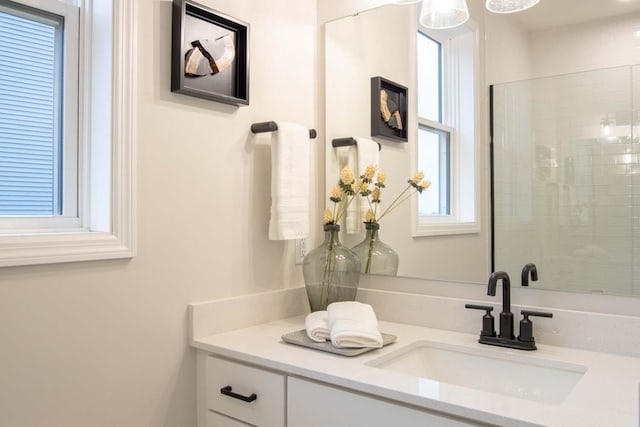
{"x":29,"y":114}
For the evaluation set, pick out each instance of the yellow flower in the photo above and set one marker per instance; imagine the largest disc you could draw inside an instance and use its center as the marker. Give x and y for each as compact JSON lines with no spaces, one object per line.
{"x":328,"y":216}
{"x":370,"y":172}
{"x":346,"y":176}
{"x":375,"y":195}
{"x":382,"y":177}
{"x":369,"y":216}
{"x":336,"y":193}
{"x":417,"y":178}
{"x":425,"y":184}
{"x":364,"y":186}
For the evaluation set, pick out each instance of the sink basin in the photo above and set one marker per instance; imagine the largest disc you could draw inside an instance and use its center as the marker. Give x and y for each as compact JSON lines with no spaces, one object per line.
{"x":504,"y":372}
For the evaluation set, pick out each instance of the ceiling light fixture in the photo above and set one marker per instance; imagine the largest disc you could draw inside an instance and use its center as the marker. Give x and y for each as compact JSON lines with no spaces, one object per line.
{"x":441,"y":14}
{"x":509,"y":6}
{"x":406,"y":1}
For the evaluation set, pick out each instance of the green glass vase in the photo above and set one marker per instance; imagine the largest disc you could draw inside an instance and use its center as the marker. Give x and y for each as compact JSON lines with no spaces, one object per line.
{"x":376,"y":257}
{"x":331,"y":271}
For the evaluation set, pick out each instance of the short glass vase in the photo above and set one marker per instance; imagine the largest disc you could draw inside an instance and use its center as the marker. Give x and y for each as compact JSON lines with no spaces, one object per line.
{"x":376,"y":256}
{"x":331,"y":271}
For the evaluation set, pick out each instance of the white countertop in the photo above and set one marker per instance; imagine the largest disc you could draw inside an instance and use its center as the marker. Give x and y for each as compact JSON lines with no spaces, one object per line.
{"x":607,"y":394}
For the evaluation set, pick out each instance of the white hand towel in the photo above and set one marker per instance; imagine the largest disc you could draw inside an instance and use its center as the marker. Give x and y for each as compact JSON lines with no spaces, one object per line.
{"x":353,"y":325}
{"x":367,"y":154}
{"x":289,"y":182}
{"x":317,"y":326}
{"x":347,"y":156}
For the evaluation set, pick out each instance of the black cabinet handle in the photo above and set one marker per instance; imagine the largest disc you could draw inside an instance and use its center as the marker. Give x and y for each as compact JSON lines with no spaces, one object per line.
{"x":227,"y":392}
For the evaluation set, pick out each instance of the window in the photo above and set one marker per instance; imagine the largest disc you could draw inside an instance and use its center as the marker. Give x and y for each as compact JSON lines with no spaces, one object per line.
{"x":447,"y":131}
{"x":38,"y":116}
{"x":66,"y":168}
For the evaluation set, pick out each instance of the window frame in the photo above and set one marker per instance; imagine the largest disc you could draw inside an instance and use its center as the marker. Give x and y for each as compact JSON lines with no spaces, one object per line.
{"x":457,"y":222}
{"x":98,"y":237}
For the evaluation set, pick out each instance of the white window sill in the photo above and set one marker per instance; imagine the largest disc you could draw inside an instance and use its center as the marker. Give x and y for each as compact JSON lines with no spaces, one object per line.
{"x":61,"y":247}
{"x":446,"y":229}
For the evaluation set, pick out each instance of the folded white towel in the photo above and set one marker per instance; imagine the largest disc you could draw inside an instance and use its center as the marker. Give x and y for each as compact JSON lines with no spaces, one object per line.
{"x":353,"y":325}
{"x":290,"y":165}
{"x":317,"y":326}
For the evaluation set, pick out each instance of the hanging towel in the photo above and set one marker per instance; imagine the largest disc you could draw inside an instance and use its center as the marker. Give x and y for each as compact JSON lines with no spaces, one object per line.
{"x":367,"y":153}
{"x":289,"y":182}
{"x":353,"y":325}
{"x":317,"y":326}
{"x":347,"y":156}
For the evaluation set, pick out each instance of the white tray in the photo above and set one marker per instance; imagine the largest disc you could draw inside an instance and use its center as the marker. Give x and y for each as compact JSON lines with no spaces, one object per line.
{"x":300,"y":338}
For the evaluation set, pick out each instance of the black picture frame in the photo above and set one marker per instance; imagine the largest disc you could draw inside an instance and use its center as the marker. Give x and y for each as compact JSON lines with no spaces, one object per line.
{"x":397,"y":96}
{"x":191,"y":22}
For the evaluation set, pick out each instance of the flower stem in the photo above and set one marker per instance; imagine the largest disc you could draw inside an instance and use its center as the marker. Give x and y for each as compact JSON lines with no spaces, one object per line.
{"x":327,"y":276}
{"x":396,"y":202}
{"x":367,"y":268}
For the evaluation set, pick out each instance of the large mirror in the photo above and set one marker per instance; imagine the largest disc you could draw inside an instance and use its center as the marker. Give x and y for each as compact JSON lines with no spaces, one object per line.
{"x":383,"y":42}
{"x":538,"y":48}
{"x":566,"y":147}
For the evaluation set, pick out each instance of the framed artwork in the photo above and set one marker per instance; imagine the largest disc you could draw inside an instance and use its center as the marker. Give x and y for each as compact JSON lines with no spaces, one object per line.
{"x":209,"y":54}
{"x":388,"y":110}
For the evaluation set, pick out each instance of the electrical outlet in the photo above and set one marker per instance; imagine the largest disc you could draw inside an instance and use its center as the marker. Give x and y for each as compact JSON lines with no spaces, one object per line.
{"x":301,"y":250}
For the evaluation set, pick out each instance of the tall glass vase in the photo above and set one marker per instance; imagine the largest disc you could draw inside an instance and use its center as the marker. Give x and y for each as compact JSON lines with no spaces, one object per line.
{"x":376,"y":256}
{"x":331,"y":271}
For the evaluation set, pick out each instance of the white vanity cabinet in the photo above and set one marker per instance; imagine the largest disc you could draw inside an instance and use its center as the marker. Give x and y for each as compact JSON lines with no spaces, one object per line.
{"x":310,"y":404}
{"x":233,"y":394}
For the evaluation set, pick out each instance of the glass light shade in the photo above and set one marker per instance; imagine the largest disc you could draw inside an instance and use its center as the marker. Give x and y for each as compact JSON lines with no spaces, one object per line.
{"x":509,"y":6}
{"x":441,"y":14}
{"x":406,"y":1}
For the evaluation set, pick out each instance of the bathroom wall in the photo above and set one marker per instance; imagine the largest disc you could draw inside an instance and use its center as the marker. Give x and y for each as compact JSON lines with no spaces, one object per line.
{"x":508,"y":55}
{"x":105,"y":343}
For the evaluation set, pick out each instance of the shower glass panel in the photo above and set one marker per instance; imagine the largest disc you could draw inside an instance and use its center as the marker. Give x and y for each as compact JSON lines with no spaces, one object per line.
{"x":566,"y":180}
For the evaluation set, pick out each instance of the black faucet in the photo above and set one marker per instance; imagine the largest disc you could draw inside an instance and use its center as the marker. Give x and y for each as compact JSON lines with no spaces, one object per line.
{"x":529,"y":268}
{"x":506,"y":338}
{"x":506,"y":316}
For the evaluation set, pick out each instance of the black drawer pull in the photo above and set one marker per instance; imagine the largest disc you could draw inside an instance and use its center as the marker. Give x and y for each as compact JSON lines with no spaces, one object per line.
{"x":227,"y":392}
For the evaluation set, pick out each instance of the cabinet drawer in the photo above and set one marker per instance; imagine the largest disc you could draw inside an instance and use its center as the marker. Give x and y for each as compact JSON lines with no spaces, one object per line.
{"x":217,"y":420}
{"x":267,"y":410}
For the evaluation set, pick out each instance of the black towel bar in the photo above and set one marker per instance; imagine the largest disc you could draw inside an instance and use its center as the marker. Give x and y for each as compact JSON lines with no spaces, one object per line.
{"x":348,"y":141}
{"x":273,"y":126}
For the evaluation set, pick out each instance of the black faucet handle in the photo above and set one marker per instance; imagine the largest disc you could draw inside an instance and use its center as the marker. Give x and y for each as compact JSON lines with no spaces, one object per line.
{"x":487,"y":308}
{"x":488,"y":322}
{"x":527,"y":313}
{"x":526,"y":326}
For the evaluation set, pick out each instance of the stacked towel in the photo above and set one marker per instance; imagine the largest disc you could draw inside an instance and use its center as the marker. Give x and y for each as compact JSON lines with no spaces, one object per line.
{"x":353,"y":325}
{"x":317,"y":326}
{"x":289,"y":183}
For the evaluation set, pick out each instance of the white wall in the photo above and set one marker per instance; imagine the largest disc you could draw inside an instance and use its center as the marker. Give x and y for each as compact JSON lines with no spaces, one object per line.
{"x":602,"y":44}
{"x":508,"y":56}
{"x":105,"y":343}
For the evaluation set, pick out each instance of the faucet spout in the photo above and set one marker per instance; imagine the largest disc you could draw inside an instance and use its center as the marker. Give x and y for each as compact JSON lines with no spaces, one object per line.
{"x":506,"y":288}
{"x":529,"y":269}
{"x":506,"y":316}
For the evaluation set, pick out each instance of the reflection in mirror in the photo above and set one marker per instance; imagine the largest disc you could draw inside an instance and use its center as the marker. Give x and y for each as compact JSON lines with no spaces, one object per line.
{"x":565,"y":145}
{"x":383,"y":42}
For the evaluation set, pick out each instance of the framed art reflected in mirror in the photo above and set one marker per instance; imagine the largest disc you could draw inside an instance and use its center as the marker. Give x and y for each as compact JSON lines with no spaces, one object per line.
{"x":388,"y":110}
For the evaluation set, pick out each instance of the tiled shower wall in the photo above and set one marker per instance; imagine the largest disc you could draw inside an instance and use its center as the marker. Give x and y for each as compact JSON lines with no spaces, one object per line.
{"x":566,"y":179}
